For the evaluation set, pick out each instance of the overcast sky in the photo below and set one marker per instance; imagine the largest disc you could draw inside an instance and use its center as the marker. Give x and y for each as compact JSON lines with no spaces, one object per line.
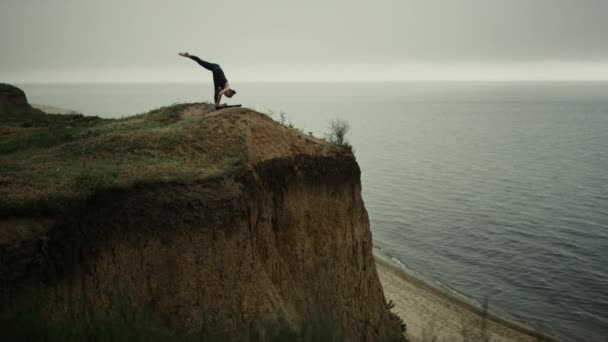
{"x":304,"y":40}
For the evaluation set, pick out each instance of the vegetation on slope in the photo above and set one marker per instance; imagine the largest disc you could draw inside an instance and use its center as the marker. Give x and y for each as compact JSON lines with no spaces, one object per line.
{"x":24,"y":319}
{"x":48,"y":161}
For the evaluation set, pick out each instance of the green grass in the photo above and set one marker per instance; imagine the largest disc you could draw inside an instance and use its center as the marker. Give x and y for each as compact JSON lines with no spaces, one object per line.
{"x":53,"y":129}
{"x":25,"y":320}
{"x":48,"y":164}
{"x":43,"y":136}
{"x":73,"y":180}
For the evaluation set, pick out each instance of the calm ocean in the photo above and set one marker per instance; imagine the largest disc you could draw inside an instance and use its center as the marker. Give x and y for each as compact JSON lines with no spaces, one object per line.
{"x":490,"y":190}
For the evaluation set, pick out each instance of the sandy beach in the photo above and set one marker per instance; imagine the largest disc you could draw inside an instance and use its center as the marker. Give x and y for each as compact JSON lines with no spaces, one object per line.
{"x":432,"y":315}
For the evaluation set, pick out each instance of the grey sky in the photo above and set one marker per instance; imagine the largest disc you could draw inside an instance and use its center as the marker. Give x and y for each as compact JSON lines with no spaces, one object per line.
{"x":79,"y":40}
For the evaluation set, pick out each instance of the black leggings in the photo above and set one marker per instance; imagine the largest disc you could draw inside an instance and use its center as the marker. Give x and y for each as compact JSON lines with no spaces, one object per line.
{"x":204,"y":64}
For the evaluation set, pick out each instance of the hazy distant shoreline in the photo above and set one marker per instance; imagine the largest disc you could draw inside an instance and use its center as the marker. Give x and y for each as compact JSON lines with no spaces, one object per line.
{"x":113,"y":100}
{"x":53,"y":110}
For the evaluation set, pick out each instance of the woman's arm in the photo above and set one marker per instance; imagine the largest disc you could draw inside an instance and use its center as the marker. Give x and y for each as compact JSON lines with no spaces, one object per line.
{"x":218,"y":95}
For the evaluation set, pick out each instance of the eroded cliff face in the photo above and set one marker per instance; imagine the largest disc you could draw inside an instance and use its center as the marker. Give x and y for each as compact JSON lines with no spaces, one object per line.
{"x":285,"y":234}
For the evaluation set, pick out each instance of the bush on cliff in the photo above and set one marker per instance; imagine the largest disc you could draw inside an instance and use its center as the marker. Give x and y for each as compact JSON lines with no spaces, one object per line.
{"x":337,"y":133}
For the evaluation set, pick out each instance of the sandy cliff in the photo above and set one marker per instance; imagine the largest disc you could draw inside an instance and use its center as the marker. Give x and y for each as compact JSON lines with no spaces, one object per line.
{"x":204,"y":216}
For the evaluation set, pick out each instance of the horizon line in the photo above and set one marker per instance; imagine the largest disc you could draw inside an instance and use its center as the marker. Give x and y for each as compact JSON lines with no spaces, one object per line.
{"x":523,"y":80}
{"x":330,"y":73}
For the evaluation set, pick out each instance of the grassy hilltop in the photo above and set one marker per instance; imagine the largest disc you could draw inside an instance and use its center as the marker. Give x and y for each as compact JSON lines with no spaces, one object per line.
{"x":47,"y":161}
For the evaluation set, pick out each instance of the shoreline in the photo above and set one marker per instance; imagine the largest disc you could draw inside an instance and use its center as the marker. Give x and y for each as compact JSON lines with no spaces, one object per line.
{"x":430,"y":312}
{"x":53,"y":110}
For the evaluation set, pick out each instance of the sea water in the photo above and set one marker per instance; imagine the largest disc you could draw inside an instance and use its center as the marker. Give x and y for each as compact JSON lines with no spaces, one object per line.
{"x":496,"y":191}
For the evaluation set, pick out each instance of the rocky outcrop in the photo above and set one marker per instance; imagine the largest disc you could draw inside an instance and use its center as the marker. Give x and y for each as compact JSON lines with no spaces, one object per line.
{"x":281,"y":233}
{"x":13,"y":102}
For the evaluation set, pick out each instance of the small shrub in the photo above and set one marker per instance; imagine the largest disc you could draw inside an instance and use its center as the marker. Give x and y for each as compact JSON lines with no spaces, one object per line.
{"x":395,"y":316}
{"x":283,"y":121}
{"x":337,"y":133}
{"x":338,"y":129}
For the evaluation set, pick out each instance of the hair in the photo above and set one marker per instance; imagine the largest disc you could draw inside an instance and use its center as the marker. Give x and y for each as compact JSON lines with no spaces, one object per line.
{"x":231,"y":92}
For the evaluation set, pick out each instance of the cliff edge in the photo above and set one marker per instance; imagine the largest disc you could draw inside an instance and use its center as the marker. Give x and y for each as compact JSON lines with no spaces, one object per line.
{"x":204,"y":217}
